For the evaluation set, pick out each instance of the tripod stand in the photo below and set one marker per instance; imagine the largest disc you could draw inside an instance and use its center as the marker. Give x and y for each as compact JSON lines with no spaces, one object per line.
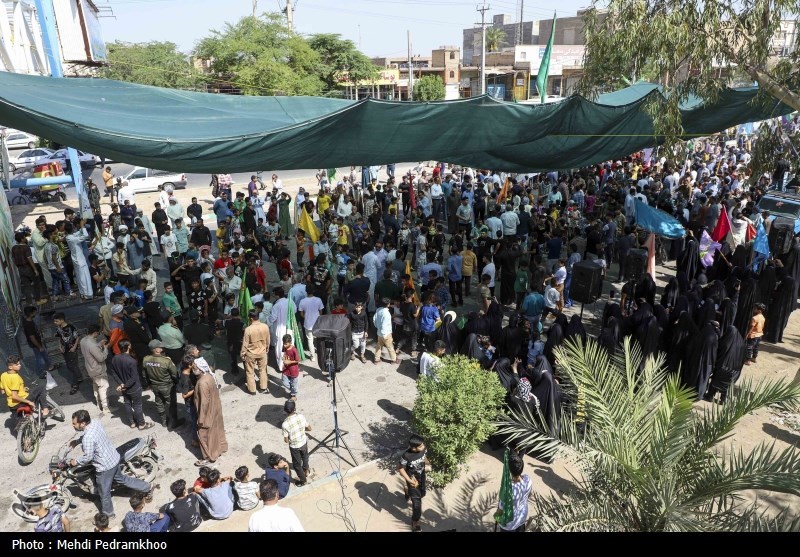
{"x":336,"y":435}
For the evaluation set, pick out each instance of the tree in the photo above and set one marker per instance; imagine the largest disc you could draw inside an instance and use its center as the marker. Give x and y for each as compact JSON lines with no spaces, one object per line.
{"x":649,"y":460}
{"x":340,"y":60}
{"x":261,"y":56}
{"x":495,"y":38}
{"x":429,"y":88}
{"x":159,"y":64}
{"x":454,"y":412}
{"x":694,"y":44}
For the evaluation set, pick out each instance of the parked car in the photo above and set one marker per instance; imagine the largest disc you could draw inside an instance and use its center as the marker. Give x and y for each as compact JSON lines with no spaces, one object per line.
{"x":86,"y":160}
{"x":20,"y":140}
{"x":782,"y":207}
{"x":29,"y":158}
{"x":142,"y":179}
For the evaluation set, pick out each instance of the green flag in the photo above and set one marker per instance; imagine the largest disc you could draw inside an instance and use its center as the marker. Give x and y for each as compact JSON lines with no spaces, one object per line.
{"x":292,"y":326}
{"x":331,"y":174}
{"x":245,"y":303}
{"x":505,"y":515}
{"x":544,"y":67}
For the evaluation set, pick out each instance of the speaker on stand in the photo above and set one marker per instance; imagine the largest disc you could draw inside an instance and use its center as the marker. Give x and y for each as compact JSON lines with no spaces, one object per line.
{"x":587,"y":283}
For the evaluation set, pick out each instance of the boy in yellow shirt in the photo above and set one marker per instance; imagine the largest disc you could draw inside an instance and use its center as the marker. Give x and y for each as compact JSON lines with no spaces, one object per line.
{"x":18,"y":398}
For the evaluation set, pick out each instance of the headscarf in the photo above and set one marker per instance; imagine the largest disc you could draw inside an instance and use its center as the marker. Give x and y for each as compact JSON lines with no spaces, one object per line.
{"x":523,"y":391}
{"x":505,"y":372}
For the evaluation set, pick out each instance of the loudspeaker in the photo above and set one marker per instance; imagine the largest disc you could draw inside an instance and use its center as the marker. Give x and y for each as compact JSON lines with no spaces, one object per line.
{"x":587,"y":282}
{"x":332,"y":332}
{"x":635,"y":264}
{"x":780,"y":236}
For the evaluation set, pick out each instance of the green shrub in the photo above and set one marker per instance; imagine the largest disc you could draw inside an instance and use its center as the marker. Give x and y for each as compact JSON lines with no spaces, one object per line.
{"x":454,"y":412}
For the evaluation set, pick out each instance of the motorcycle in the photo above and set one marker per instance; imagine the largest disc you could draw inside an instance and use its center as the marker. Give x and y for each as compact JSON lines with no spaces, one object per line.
{"x":44,"y":194}
{"x":138,"y":459}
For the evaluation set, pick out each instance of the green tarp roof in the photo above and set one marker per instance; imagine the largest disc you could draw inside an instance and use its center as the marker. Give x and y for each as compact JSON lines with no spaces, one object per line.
{"x":200,"y":132}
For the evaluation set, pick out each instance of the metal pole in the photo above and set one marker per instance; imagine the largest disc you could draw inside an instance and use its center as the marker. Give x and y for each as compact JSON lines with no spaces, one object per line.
{"x":483,"y":9}
{"x":289,"y":14}
{"x":410,"y":70}
{"x":47,"y":23}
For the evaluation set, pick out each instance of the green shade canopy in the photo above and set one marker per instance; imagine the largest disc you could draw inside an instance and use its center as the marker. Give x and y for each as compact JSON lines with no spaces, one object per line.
{"x":205,"y":133}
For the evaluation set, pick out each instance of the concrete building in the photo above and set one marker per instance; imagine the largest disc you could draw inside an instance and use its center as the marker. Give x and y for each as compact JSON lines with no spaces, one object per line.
{"x":444,"y":62}
{"x":471,"y":47}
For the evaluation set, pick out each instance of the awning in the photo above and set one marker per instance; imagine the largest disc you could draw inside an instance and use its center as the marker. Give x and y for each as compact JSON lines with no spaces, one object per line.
{"x":201,"y":132}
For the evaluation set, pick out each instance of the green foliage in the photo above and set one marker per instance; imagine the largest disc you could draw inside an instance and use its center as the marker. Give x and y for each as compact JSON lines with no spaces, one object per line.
{"x":495,"y":38}
{"x":696,"y":46}
{"x":454,"y":413}
{"x":429,"y":88}
{"x":261,"y":56}
{"x":339,"y":58}
{"x":650,"y":460}
{"x":159,"y":64}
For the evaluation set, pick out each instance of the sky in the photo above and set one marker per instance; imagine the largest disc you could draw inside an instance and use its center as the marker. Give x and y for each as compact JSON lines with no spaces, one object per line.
{"x":377,"y":26}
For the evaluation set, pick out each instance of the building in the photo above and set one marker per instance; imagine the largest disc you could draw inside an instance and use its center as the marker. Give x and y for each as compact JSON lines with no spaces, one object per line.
{"x":444,"y":62}
{"x":471,"y":47}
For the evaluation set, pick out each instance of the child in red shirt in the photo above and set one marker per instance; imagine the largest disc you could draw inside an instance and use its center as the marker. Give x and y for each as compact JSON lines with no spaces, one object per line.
{"x":291,"y":369}
{"x":338,"y":307}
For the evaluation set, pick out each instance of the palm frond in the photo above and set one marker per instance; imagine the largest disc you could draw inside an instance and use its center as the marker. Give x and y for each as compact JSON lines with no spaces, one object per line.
{"x":670,"y":425}
{"x":528,"y":432}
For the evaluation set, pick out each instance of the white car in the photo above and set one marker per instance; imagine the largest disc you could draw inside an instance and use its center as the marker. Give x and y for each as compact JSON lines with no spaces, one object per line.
{"x":20,"y":140}
{"x":29,"y":158}
{"x":86,"y":160}
{"x":142,"y":179}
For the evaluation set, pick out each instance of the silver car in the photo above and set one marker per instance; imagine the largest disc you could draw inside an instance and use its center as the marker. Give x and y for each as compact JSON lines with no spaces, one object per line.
{"x":142,"y":179}
{"x":20,"y":140}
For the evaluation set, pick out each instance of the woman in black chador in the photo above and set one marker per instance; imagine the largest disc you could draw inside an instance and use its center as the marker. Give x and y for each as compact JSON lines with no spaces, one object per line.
{"x":728,"y":368}
{"x":778,"y":312}
{"x":701,"y":359}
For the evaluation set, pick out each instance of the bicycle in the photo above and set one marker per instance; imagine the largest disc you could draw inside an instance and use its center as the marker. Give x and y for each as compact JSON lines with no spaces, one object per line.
{"x":32,"y":426}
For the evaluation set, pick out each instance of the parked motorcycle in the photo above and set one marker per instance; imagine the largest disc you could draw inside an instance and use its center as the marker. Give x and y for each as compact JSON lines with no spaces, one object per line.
{"x":39,"y":195}
{"x":138,"y":459}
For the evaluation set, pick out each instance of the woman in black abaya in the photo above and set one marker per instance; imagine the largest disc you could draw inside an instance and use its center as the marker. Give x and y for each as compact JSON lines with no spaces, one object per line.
{"x":511,"y":338}
{"x":662,"y":318}
{"x":575,"y":328}
{"x":701,"y":358}
{"x":547,"y":391}
{"x":778,"y":312}
{"x":728,"y":367}
{"x":506,"y":370}
{"x":791,"y":263}
{"x":555,"y":336}
{"x":745,"y":303}
{"x":681,"y":305}
{"x":727,"y":314}
{"x":766,"y":285}
{"x":671,"y":293}
{"x":494,"y":317}
{"x":449,"y":333}
{"x":648,"y":335}
{"x":706,"y":313}
{"x":683,"y":331}
{"x":716,"y":291}
{"x":472,"y":349}
{"x":609,"y":337}
{"x":689,"y":260}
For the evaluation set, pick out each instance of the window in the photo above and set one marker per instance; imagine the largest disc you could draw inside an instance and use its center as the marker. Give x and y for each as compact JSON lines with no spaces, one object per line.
{"x":452,"y":74}
{"x":452,"y":57}
{"x":137,"y":174}
{"x":523,"y":55}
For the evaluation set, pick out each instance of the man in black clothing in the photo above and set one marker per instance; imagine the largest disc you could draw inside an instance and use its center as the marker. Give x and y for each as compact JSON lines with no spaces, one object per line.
{"x":357,"y":290}
{"x":624,"y":246}
{"x":234,"y":335}
{"x":138,"y":337}
{"x":195,"y":214}
{"x":201,"y":235}
{"x":190,"y":273}
{"x":124,"y":367}
{"x":176,"y":276}
{"x":374,"y":221}
{"x":248,"y":217}
{"x":198,"y":333}
{"x":321,"y":278}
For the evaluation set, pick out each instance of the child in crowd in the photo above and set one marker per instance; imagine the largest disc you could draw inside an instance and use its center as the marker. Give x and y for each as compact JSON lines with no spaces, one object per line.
{"x":218,"y":498}
{"x":291,"y":369}
{"x":101,"y":523}
{"x":202,"y":478}
{"x":184,"y":510}
{"x":246,"y":491}
{"x":50,"y":520}
{"x":139,"y":521}
{"x":338,"y":307}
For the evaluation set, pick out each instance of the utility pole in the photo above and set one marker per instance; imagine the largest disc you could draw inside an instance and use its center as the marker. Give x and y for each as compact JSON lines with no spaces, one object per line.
{"x":483,"y":9}
{"x":289,"y":11}
{"x":255,"y":7}
{"x":410,"y":70}
{"x":521,"y":18}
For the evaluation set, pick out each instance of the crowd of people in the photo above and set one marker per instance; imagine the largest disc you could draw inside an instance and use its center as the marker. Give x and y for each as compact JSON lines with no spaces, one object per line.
{"x":401,"y":259}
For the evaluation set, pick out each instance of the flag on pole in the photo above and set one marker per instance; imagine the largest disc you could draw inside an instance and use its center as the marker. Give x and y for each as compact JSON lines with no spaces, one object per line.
{"x":751,"y":232}
{"x":331,"y":175}
{"x":506,"y":512}
{"x":411,"y":281}
{"x":760,"y":247}
{"x":306,"y":224}
{"x":707,"y":249}
{"x":544,"y":67}
{"x":723,"y":227}
{"x":650,"y":245}
{"x":504,"y":192}
{"x":245,"y":303}
{"x":291,"y":325}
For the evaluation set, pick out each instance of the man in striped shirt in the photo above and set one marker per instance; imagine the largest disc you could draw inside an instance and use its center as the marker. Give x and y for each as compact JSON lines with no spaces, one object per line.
{"x":100,"y":453}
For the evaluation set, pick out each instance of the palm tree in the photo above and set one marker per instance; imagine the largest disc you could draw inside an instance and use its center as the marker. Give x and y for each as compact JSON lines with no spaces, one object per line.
{"x":495,"y":38}
{"x":649,"y":460}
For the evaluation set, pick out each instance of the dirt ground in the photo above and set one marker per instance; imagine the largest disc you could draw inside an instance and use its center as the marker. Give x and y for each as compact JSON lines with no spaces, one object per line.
{"x":374,"y":408}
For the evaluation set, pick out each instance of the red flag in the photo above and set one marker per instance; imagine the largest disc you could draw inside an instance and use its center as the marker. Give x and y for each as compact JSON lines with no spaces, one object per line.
{"x":751,"y":232}
{"x":723,"y":227}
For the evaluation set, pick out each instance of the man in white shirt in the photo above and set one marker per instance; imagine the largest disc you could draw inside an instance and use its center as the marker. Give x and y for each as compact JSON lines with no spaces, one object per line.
{"x":630,"y":207}
{"x":489,"y":269}
{"x":232,"y":283}
{"x":510,"y":221}
{"x":272,"y":517}
{"x":277,"y":184}
{"x":437,"y":196}
{"x":495,"y":225}
{"x":168,"y":241}
{"x":309,"y":309}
